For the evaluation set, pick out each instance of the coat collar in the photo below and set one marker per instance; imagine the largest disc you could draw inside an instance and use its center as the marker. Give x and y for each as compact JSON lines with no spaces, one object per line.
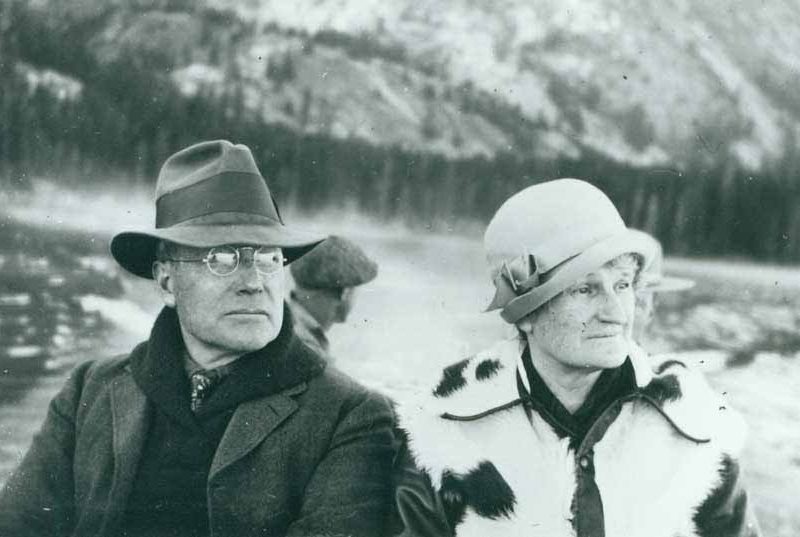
{"x":642,"y":369}
{"x":158,"y":368}
{"x":129,"y":414}
{"x":252,"y":422}
{"x":486,"y":383}
{"x":286,"y":376}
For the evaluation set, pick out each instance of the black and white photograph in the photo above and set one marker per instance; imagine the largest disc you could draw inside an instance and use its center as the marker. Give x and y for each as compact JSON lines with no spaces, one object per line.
{"x":359,"y":268}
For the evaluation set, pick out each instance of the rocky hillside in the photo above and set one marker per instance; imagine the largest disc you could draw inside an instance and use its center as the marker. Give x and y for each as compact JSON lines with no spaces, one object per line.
{"x":646,"y":83}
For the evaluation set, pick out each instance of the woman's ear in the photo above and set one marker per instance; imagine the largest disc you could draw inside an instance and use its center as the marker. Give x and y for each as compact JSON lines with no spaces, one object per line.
{"x":162,"y":274}
{"x":525,"y":325}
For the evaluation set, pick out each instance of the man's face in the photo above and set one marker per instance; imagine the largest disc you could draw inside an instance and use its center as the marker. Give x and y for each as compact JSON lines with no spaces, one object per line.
{"x":344,"y":304}
{"x":328,"y":306}
{"x":586,"y":327}
{"x":225,"y":315}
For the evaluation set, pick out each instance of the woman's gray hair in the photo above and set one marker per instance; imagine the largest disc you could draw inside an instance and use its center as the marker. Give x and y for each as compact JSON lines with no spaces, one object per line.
{"x":630,"y":258}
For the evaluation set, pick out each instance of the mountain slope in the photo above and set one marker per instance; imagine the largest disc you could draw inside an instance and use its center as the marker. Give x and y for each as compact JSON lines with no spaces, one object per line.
{"x":641,"y":81}
{"x":669,"y":83}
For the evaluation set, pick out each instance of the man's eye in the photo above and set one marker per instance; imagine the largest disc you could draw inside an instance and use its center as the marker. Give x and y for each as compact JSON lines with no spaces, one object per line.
{"x":269,"y":258}
{"x":223,"y":258}
{"x":622,"y":286}
{"x":583,"y":290}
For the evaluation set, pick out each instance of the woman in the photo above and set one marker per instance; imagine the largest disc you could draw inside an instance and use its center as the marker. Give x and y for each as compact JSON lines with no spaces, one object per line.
{"x":558,"y":432}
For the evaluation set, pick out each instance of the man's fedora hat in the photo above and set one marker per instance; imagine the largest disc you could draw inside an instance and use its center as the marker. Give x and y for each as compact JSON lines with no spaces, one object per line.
{"x":210,"y":194}
{"x":547,"y":236}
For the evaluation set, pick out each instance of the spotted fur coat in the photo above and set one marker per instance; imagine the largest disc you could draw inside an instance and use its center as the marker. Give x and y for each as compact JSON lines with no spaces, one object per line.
{"x":503,"y":473}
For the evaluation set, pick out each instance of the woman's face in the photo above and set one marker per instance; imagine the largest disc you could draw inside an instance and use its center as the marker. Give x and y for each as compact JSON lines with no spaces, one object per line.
{"x":586,"y":326}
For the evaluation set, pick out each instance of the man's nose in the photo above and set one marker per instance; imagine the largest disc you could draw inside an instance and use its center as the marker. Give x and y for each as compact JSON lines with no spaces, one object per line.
{"x":252,"y":281}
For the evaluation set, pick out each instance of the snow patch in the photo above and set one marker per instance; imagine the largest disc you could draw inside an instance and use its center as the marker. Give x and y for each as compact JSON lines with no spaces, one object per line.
{"x":64,"y":87}
{"x":197,"y":76}
{"x":123,"y":313}
{"x":102,"y":212}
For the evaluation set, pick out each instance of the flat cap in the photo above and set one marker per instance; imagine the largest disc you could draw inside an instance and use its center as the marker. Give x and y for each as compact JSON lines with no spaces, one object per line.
{"x":334,"y":263}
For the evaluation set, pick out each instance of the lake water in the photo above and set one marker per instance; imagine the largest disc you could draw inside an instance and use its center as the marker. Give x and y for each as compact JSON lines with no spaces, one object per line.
{"x":62,"y":300}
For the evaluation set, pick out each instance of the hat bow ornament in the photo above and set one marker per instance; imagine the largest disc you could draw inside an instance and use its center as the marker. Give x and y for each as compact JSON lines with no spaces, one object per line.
{"x":573,"y":228}
{"x":516,"y":277}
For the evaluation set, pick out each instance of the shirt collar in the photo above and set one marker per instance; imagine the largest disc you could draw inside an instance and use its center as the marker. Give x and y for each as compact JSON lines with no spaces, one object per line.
{"x":190,"y":366}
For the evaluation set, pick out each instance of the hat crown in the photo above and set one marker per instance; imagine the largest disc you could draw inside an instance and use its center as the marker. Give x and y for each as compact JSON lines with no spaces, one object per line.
{"x":209,"y":194}
{"x":552,"y":221}
{"x":336,"y":263}
{"x":203,"y":161}
{"x":212,"y":182}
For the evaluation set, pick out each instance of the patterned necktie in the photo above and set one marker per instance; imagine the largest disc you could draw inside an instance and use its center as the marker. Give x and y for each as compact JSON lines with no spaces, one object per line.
{"x":202,"y":383}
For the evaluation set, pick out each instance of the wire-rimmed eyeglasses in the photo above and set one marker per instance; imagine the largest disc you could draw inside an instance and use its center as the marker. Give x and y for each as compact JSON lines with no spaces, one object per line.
{"x":224,"y":260}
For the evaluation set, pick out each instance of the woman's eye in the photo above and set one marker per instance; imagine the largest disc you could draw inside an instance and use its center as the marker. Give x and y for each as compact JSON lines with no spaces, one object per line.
{"x":583,"y":290}
{"x":623,"y":285}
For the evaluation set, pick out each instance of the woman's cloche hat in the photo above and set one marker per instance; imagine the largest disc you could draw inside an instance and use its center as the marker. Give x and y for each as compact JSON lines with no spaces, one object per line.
{"x":210,"y":194}
{"x":547,"y":236}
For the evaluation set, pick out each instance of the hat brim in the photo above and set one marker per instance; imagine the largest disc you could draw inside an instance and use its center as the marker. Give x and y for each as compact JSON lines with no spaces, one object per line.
{"x":667,"y":284}
{"x":571,"y":270}
{"x":135,"y":251}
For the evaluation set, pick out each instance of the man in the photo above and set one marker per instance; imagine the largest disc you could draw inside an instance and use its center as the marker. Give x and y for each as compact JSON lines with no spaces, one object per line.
{"x":222,"y":423}
{"x":652,"y":281}
{"x":325,"y":285}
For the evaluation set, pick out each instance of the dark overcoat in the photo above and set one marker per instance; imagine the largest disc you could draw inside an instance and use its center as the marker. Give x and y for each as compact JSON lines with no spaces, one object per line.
{"x":313,"y":458}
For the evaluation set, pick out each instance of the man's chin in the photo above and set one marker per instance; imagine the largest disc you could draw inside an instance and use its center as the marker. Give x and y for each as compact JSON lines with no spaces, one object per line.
{"x":253,"y":340}
{"x":251,"y":345}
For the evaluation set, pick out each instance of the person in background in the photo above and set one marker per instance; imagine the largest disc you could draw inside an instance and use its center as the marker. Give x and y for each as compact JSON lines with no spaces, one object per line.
{"x":325,"y":286}
{"x":559,"y":431}
{"x":651,"y":282}
{"x":222,"y":423}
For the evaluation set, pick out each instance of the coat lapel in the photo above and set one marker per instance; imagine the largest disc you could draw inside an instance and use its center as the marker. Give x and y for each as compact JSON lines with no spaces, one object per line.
{"x":252,"y":422}
{"x":129,"y":421}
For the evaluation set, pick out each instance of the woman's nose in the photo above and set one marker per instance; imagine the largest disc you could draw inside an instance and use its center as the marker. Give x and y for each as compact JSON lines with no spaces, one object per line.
{"x":612,"y":309}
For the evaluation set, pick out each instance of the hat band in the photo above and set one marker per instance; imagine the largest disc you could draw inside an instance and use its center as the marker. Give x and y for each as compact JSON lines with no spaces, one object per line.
{"x":235,"y":192}
{"x":576,"y":267}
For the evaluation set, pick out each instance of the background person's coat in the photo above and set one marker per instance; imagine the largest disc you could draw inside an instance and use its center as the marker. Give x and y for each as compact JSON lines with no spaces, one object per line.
{"x":664,"y":460}
{"x":313,"y":459}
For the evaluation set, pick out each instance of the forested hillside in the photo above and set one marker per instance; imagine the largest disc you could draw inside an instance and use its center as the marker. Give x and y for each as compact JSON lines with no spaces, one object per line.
{"x":430,"y":117}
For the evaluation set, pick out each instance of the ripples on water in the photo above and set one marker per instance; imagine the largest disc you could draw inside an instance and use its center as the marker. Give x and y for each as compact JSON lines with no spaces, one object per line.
{"x":44,"y":329}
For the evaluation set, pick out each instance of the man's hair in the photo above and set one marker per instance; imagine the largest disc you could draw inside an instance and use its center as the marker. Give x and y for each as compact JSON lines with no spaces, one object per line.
{"x":165,"y":250}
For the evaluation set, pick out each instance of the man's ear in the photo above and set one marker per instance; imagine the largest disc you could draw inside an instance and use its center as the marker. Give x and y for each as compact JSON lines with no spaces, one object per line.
{"x":162,"y":274}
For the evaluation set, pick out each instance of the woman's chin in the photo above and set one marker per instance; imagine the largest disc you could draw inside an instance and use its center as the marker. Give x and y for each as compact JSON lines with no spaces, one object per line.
{"x":607,"y":355}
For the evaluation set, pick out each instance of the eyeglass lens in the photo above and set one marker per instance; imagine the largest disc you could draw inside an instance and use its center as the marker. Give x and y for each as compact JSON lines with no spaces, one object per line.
{"x":224,"y":260}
